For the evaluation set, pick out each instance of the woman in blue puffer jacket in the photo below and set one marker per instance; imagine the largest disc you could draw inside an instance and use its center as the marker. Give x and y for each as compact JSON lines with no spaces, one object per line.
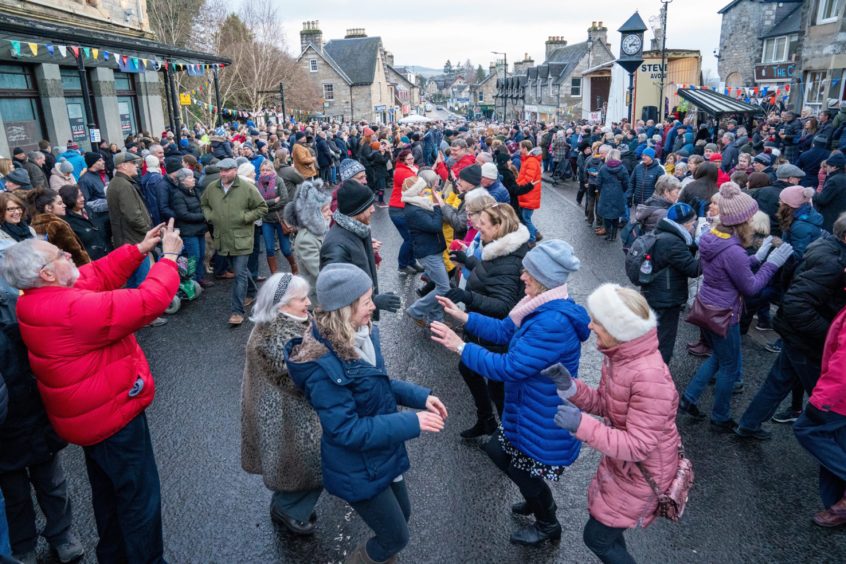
{"x":339,"y":365}
{"x":800,"y":223}
{"x":545,"y":328}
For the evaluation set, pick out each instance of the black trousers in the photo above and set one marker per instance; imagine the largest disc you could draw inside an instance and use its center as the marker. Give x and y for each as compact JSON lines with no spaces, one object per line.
{"x":607,"y":543}
{"x":51,"y":491}
{"x":668,"y":328}
{"x":534,"y":488}
{"x":487,"y":394}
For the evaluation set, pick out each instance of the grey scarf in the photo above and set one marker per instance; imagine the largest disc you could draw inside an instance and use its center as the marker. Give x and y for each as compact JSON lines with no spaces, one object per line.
{"x":364,"y":345}
{"x":352,"y":225}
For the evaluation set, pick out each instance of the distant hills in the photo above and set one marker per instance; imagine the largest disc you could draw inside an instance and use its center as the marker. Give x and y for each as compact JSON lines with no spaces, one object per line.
{"x":424,"y":71}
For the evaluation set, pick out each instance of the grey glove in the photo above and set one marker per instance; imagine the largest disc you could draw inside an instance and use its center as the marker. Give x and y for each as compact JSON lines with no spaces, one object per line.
{"x":388,"y":301}
{"x":762,"y":253}
{"x":568,"y":417}
{"x":558,"y":373}
{"x":779,"y":256}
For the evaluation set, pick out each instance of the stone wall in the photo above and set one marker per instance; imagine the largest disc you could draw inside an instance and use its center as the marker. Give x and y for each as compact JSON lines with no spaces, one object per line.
{"x":122,"y":14}
{"x":740,"y":47}
{"x":340,"y":105}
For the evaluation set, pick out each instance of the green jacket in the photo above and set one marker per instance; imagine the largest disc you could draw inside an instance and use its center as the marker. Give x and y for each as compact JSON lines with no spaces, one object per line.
{"x":233,"y":214}
{"x":127,"y":211}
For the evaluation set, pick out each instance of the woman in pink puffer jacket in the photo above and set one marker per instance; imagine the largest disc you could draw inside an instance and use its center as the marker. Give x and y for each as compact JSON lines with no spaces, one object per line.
{"x":637,"y":402}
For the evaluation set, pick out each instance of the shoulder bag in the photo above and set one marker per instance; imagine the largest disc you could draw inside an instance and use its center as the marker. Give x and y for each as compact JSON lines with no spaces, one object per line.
{"x":672,"y":503}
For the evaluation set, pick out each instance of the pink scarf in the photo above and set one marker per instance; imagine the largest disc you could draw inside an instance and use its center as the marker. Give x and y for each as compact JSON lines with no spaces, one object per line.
{"x":527,"y":305}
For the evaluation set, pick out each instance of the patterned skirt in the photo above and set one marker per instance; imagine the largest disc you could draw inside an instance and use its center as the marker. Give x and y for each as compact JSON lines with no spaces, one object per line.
{"x":524,"y":462}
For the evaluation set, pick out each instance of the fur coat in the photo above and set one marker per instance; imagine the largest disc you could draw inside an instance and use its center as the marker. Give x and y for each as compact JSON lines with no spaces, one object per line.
{"x":303,"y":212}
{"x":62,"y":235}
{"x":280,"y":432}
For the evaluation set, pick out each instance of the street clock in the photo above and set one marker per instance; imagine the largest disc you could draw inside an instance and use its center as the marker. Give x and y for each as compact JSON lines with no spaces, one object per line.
{"x":631,"y":43}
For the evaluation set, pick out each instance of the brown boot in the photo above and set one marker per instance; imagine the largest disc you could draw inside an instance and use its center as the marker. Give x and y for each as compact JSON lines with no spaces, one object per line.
{"x":293,"y":262}
{"x":360,"y":556}
{"x":271,"y":264}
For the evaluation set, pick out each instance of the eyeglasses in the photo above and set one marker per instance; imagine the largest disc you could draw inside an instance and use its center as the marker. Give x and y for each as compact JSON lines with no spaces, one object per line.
{"x":60,"y":255}
{"x":13,"y":209}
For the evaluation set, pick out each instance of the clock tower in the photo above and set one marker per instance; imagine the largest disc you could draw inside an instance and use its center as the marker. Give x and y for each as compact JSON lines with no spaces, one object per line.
{"x":631,"y":51}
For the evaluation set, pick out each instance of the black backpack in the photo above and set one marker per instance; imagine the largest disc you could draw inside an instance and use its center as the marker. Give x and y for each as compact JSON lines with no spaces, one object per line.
{"x":639,"y":252}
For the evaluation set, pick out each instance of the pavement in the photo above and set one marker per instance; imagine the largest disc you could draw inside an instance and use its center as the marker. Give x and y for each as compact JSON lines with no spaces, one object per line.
{"x":751,"y":502}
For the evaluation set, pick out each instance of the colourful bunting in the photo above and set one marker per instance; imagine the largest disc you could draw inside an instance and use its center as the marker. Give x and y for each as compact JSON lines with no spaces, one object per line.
{"x":33,"y":48}
{"x":16,"y":48}
{"x":87,"y":52}
{"x":63,"y":51}
{"x":94,"y":52}
{"x":75,"y":51}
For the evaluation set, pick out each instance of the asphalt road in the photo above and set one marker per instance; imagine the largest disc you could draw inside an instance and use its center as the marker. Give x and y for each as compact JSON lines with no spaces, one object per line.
{"x":752,"y":502}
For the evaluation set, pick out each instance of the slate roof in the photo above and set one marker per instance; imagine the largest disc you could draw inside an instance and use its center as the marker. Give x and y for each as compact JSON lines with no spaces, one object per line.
{"x":790,"y":24}
{"x":569,"y":55}
{"x":355,"y":56}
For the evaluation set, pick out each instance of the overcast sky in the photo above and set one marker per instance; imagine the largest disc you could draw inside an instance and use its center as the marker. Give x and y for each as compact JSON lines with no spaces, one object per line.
{"x":429,"y":32}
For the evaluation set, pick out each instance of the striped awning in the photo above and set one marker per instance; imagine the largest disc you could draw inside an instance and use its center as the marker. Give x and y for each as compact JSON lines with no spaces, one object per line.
{"x":715,"y":103}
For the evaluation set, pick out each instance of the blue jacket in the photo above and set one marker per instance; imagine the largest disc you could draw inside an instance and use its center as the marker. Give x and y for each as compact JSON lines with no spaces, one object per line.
{"x":613,"y":182}
{"x":149,"y":188}
{"x":642,"y":183}
{"x":256,"y":161}
{"x":427,"y":230}
{"x":163,"y":191}
{"x":324,"y":153}
{"x":363,"y":443}
{"x":552,"y":333}
{"x":76,"y":160}
{"x":805,"y":229}
{"x":499,"y":192}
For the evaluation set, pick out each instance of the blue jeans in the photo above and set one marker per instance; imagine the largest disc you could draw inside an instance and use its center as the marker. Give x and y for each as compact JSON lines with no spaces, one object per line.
{"x":139,"y":275}
{"x":790,"y":366}
{"x":196,"y":247}
{"x":427,"y":308}
{"x":270,"y":232}
{"x":253,"y":263}
{"x":5,"y":549}
{"x":527,"y":221}
{"x":406,"y":254}
{"x":726,"y":364}
{"x":126,"y":495}
{"x":387,"y":516}
{"x":608,"y":543}
{"x":823,"y":434}
{"x":299,"y":505}
{"x":244,"y":282}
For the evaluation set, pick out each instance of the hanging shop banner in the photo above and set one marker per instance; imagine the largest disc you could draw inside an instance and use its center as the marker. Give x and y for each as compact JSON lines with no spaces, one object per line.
{"x":125,"y":117}
{"x":77,"y":121}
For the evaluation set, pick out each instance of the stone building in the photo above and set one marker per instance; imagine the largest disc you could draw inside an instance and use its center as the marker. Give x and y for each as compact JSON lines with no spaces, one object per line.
{"x":41,"y":85}
{"x":483,"y":93}
{"x":552,"y":91}
{"x":747,"y":26}
{"x":823,"y":56}
{"x":355,"y":76}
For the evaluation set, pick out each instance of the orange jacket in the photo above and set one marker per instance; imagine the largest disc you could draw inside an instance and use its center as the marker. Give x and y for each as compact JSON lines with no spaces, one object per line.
{"x":530,"y":172}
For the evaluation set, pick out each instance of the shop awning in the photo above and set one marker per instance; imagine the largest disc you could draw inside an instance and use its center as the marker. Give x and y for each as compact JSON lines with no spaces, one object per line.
{"x":47,"y":33}
{"x":717,"y":104}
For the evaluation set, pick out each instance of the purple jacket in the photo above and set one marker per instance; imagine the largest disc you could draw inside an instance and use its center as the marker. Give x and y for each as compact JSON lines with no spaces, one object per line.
{"x":727,"y":273}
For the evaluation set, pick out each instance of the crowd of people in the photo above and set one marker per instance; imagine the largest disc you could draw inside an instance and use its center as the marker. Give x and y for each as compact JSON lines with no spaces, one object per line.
{"x":95,"y":245}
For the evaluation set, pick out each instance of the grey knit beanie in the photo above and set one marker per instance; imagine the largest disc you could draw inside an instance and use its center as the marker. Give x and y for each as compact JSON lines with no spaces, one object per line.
{"x":551,"y":263}
{"x":340,"y":284}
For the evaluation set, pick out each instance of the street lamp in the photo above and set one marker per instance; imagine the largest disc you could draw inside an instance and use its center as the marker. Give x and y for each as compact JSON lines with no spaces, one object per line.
{"x":631,"y":53}
{"x":663,"y":56}
{"x":504,"y":78}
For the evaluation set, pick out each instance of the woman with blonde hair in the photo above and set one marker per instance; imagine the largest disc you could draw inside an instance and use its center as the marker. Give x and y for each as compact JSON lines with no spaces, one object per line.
{"x":339,"y":365}
{"x":636,"y":433}
{"x":727,"y":277}
{"x":280,"y":432}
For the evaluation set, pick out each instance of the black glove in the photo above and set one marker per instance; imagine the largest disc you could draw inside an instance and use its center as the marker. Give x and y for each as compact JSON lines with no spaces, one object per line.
{"x":458,"y":256}
{"x":388,"y":301}
{"x":457,"y":295}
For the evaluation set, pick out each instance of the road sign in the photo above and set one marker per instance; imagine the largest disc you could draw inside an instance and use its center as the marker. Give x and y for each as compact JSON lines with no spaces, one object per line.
{"x":184,"y":99}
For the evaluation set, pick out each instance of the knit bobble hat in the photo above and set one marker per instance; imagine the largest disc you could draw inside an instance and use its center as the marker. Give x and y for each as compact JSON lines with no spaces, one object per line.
{"x":350,"y":168}
{"x":340,"y":284}
{"x":763,"y":158}
{"x":91,"y":158}
{"x":65,"y":166}
{"x":796,"y":196}
{"x":735,"y":207}
{"x":471,"y":174}
{"x":608,"y":309}
{"x":681,"y":213}
{"x":551,"y":263}
{"x":837,"y":160}
{"x":354,"y":198}
{"x":490,"y":171}
{"x":648,"y":152}
{"x":172,"y":164}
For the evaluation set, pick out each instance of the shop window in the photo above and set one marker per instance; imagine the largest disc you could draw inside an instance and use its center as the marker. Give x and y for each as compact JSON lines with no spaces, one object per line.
{"x":20,"y":107}
{"x":828,"y":11}
{"x":816,"y":86}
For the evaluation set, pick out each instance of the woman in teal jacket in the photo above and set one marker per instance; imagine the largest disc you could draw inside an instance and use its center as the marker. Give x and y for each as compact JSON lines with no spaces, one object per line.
{"x":339,"y":365}
{"x":545,"y":328}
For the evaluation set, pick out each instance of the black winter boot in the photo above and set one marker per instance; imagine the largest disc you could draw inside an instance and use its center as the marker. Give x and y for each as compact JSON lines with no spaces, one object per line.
{"x":521,"y":508}
{"x":482,"y":427}
{"x":546,"y":527}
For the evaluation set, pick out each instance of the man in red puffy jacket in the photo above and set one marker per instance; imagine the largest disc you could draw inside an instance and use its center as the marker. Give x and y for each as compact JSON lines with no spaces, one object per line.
{"x":94,"y":379}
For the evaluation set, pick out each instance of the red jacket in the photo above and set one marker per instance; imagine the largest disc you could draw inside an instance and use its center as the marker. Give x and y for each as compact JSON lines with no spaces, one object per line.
{"x":530,"y":172}
{"x":830,"y":392}
{"x":82,"y":348}
{"x":402,"y":172}
{"x":462,"y":163}
{"x":637,"y":401}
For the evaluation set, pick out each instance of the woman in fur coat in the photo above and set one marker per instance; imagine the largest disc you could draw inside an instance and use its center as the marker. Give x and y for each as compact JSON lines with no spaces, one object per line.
{"x":280,"y":432}
{"x":48,"y":211}
{"x":311,"y":213}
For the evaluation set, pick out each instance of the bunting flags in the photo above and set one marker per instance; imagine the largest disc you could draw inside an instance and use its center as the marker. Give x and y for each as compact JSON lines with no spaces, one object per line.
{"x":131,"y":62}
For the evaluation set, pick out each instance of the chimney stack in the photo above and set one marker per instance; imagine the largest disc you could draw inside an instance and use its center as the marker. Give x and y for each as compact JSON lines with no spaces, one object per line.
{"x":355,"y":32}
{"x":599,"y":32}
{"x":311,"y":35}
{"x":554,"y":42}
